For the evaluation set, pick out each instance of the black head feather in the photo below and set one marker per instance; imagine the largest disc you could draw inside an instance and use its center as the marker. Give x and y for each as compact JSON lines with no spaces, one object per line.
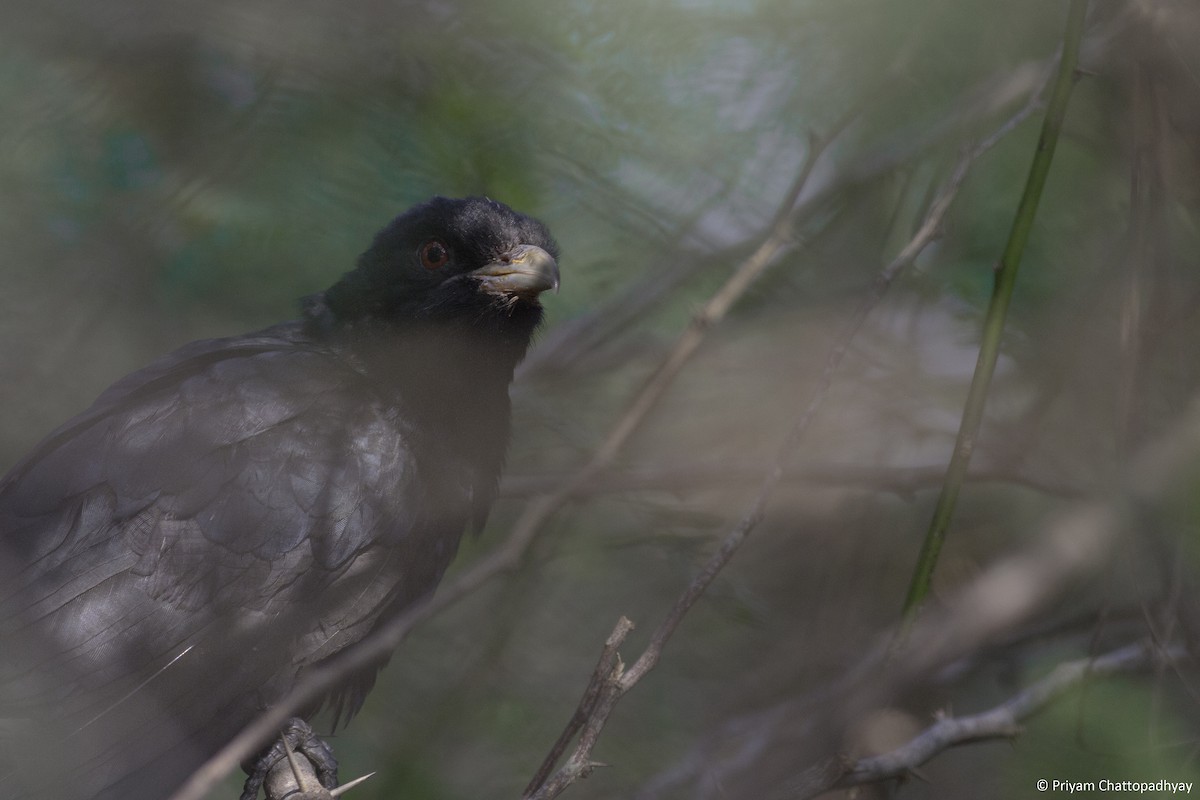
{"x":421,"y":266}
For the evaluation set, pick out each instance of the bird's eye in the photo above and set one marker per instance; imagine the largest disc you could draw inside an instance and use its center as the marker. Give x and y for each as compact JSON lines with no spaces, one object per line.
{"x":434,"y":255}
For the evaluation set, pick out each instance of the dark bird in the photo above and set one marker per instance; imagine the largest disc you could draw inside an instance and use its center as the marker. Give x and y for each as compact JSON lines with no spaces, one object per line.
{"x":173,"y":558}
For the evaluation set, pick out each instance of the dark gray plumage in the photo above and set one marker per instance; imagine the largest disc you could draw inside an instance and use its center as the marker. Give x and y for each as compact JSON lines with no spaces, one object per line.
{"x":172,"y":558}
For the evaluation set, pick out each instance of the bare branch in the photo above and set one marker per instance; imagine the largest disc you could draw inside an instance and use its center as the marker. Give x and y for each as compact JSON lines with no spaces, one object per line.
{"x":606,"y":668}
{"x":1002,"y":721}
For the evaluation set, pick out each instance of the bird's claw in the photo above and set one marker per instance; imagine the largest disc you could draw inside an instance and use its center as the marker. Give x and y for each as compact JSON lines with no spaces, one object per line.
{"x":300,"y":766}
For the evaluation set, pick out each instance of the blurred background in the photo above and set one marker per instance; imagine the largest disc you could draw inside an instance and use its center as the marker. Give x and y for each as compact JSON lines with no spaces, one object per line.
{"x":184,"y":169}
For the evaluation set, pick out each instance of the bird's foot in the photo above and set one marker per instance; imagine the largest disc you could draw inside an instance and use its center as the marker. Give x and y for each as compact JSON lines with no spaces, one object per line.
{"x":299,"y":766}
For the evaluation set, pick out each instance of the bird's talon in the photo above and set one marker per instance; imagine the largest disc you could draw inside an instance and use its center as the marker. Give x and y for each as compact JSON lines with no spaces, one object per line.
{"x":299,"y":766}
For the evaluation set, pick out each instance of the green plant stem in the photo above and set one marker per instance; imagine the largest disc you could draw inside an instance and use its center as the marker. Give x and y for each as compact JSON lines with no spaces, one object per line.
{"x":993,"y":327}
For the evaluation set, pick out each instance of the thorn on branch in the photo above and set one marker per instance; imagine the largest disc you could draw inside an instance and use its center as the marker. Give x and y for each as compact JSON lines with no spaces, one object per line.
{"x":605,"y":680}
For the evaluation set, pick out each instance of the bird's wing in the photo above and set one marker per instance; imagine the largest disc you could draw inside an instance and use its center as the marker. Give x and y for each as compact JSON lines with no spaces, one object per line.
{"x":165,"y":550}
{"x":258,"y":450}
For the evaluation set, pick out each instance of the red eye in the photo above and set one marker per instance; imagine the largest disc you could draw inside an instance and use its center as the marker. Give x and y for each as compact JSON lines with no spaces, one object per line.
{"x":434,"y":255}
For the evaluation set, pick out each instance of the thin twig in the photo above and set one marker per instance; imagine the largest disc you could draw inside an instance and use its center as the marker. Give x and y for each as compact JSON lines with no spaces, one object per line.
{"x":1002,"y":721}
{"x":616,"y":685}
{"x":604,"y":672}
{"x":1005,"y":280}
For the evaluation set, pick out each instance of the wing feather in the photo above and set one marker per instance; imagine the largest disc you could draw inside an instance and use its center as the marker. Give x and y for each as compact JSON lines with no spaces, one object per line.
{"x":190,"y":521}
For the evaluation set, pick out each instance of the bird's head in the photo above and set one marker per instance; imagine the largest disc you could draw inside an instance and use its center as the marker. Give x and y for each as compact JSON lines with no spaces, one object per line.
{"x":471,"y":259}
